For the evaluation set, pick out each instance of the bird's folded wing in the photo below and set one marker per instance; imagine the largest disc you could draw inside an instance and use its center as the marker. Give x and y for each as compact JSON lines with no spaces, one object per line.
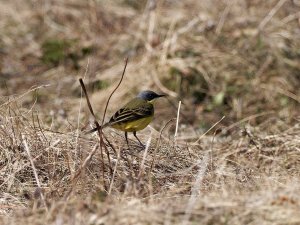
{"x":129,"y":113}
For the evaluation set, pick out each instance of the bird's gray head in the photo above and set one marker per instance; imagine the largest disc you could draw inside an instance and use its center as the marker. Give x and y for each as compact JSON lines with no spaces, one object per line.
{"x":149,"y":95}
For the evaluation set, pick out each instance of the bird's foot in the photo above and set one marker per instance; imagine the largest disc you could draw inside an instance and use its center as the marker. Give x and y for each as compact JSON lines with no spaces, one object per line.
{"x":143,"y":147}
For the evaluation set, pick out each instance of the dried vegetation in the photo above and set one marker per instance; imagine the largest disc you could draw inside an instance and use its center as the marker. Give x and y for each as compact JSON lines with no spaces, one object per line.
{"x":238,"y":59}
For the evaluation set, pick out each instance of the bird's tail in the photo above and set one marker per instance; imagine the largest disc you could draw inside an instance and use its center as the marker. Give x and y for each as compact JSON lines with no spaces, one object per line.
{"x":95,"y":129}
{"x":92,"y":130}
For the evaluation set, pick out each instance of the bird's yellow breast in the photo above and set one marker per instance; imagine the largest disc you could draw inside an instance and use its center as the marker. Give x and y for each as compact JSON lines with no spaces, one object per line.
{"x":132,"y":126}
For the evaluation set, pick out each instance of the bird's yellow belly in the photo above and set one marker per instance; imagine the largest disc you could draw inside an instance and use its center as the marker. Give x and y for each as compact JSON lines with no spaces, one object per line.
{"x":132,"y":126}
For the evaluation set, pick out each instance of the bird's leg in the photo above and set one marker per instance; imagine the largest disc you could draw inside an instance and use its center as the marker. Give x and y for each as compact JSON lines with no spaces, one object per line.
{"x":134,"y":133}
{"x":126,"y":139}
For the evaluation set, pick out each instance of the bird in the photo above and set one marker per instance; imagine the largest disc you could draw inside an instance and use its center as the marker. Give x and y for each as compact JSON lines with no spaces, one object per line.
{"x":134,"y":115}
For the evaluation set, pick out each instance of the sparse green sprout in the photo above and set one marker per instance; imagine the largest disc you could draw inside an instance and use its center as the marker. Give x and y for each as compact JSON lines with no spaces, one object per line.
{"x":99,"y":196}
{"x":98,"y":85}
{"x":54,"y":51}
{"x":260,"y":44}
{"x":284,"y":101}
{"x":135,"y":4}
{"x":186,"y":53}
{"x":57,"y":51}
{"x":219,"y":98}
{"x":188,"y":82}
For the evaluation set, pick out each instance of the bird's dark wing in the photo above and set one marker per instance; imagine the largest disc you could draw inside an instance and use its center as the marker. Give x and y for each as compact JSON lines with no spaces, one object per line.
{"x":135,"y":109}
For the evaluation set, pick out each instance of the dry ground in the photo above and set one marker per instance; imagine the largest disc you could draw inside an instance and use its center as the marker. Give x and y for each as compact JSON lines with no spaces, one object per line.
{"x":238,"y":59}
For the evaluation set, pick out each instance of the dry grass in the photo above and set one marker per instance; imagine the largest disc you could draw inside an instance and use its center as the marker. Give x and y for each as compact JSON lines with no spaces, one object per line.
{"x":250,"y":178}
{"x":237,"y":59}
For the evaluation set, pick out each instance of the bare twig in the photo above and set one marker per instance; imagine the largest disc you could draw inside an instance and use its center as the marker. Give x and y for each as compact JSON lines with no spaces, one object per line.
{"x":114,"y":172}
{"x":162,"y":87}
{"x":264,"y":66}
{"x":98,"y":129}
{"x":144,"y":157}
{"x":184,"y":29}
{"x":177,"y":120}
{"x":247,"y":119}
{"x":155,"y":155}
{"x":24,"y":94}
{"x":157,"y":145}
{"x":273,"y":11}
{"x":79,"y":111}
{"x":88,"y":101}
{"x":34,"y":171}
{"x":126,"y":61}
{"x":223,"y":17}
{"x":152,"y":22}
{"x":40,"y":128}
{"x":84,"y":164}
{"x":282,"y":91}
{"x":208,"y":130}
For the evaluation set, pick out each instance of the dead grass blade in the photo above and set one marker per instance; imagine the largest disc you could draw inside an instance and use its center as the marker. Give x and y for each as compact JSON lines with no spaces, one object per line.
{"x":39,"y":190}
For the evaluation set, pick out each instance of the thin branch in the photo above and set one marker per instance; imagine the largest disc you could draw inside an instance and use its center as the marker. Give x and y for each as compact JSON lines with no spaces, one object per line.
{"x":75,"y":178}
{"x":144,"y":157}
{"x":79,"y":111}
{"x":87,"y":98}
{"x":177,"y":120}
{"x":114,"y":172}
{"x":208,"y":130}
{"x":223,"y":17}
{"x":247,"y":119}
{"x":126,"y":61}
{"x":162,"y":87}
{"x":98,"y":129}
{"x":34,"y":171}
{"x":24,"y":94}
{"x":158,"y":144}
{"x":273,"y":11}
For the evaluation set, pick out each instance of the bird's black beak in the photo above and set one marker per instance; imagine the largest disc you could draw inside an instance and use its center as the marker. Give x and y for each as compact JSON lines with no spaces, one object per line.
{"x":163,"y":95}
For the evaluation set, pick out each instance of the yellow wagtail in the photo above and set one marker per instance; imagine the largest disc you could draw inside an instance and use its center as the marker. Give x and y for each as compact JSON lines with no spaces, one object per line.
{"x":133,"y":116}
